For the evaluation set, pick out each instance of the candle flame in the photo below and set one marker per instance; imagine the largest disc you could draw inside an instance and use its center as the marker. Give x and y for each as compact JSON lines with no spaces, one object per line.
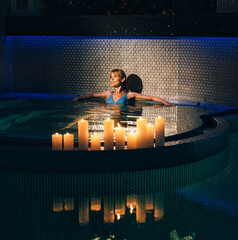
{"x":149,"y":124}
{"x":131,"y":209}
{"x":118,"y":216}
{"x":94,"y":134}
{"x":56,"y":134}
{"x":118,"y":125}
{"x":82,"y":120}
{"x":108,"y":119}
{"x":67,"y":133}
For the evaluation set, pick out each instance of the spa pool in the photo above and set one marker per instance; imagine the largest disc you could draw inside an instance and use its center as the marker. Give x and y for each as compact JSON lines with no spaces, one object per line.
{"x":32,"y":119}
{"x":184,"y":190}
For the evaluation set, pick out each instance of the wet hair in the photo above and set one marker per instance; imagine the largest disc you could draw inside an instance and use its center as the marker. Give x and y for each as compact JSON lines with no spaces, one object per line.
{"x":134,"y":83}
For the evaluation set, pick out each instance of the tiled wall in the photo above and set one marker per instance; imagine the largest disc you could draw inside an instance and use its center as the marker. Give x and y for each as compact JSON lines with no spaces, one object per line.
{"x":199,"y":69}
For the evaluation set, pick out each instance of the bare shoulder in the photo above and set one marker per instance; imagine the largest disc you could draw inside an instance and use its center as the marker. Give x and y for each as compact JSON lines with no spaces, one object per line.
{"x":105,"y":94}
{"x":131,"y":95}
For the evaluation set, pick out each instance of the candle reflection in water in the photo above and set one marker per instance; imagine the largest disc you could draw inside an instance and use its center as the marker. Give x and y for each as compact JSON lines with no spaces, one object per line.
{"x":83,"y":211}
{"x":114,"y":208}
{"x":108,"y":210}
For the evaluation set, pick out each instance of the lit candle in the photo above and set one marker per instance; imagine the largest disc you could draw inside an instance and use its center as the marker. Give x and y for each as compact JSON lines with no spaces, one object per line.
{"x":57,"y":141}
{"x":159,"y":131}
{"x":83,"y":134}
{"x":108,"y":134}
{"x":131,"y":140}
{"x":150,"y":136}
{"x":68,"y":141}
{"x":141,"y":128}
{"x":95,"y":141}
{"x":120,"y":137}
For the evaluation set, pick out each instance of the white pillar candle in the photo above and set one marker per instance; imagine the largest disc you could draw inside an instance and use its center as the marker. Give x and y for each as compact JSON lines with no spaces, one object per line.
{"x":108,"y":134}
{"x":141,"y":129}
{"x":131,"y":140}
{"x":150,"y":136}
{"x":83,"y":134}
{"x":120,"y":137}
{"x":56,"y":141}
{"x":95,"y":141}
{"x":68,"y":141}
{"x":159,"y":131}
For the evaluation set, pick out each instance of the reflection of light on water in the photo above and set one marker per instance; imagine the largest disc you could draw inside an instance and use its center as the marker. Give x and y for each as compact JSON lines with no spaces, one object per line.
{"x":69,"y":204}
{"x":95,"y":204}
{"x":113,"y":208}
{"x":131,"y":209}
{"x":57,"y":205}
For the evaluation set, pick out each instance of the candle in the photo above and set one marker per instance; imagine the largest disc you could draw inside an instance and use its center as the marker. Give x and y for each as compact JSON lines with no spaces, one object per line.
{"x":141,"y":128}
{"x":120,"y":137}
{"x":83,"y":134}
{"x":159,"y":131}
{"x":150,"y":136}
{"x":68,"y":141}
{"x":132,"y":140}
{"x":108,"y":134}
{"x":95,"y":141}
{"x":57,"y":141}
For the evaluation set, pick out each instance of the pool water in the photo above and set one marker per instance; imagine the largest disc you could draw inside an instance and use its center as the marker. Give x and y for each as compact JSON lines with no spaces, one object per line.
{"x":40,"y":118}
{"x":66,"y":206}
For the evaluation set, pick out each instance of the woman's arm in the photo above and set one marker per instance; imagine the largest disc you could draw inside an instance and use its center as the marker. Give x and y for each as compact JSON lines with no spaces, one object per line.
{"x":139,"y":96}
{"x":105,"y":94}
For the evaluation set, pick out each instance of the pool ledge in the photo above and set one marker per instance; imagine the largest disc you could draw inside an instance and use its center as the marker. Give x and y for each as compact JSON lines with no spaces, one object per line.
{"x":173,"y":154}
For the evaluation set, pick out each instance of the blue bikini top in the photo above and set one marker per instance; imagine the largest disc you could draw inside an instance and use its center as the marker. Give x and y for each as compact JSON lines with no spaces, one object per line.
{"x":122,"y":100}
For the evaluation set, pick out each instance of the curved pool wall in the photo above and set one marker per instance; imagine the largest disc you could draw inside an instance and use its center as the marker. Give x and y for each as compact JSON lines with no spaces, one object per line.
{"x":202,"y":69}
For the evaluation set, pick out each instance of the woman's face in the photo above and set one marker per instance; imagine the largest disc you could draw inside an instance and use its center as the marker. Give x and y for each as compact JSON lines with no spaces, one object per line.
{"x":115,"y":79}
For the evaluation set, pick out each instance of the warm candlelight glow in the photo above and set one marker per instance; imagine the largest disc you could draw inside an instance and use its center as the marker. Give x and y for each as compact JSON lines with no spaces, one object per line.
{"x":83,"y":134}
{"x":108,"y":134}
{"x":95,"y":141}
{"x":68,"y":141}
{"x":141,"y":129}
{"x":131,"y":140}
{"x":120,"y":137}
{"x":57,"y":141}
{"x":131,"y":209}
{"x":118,"y":216}
{"x":150,"y":136}
{"x":159,"y":131}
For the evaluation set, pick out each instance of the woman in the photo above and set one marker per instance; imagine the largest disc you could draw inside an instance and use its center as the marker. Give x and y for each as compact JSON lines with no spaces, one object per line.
{"x":121,"y":94}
